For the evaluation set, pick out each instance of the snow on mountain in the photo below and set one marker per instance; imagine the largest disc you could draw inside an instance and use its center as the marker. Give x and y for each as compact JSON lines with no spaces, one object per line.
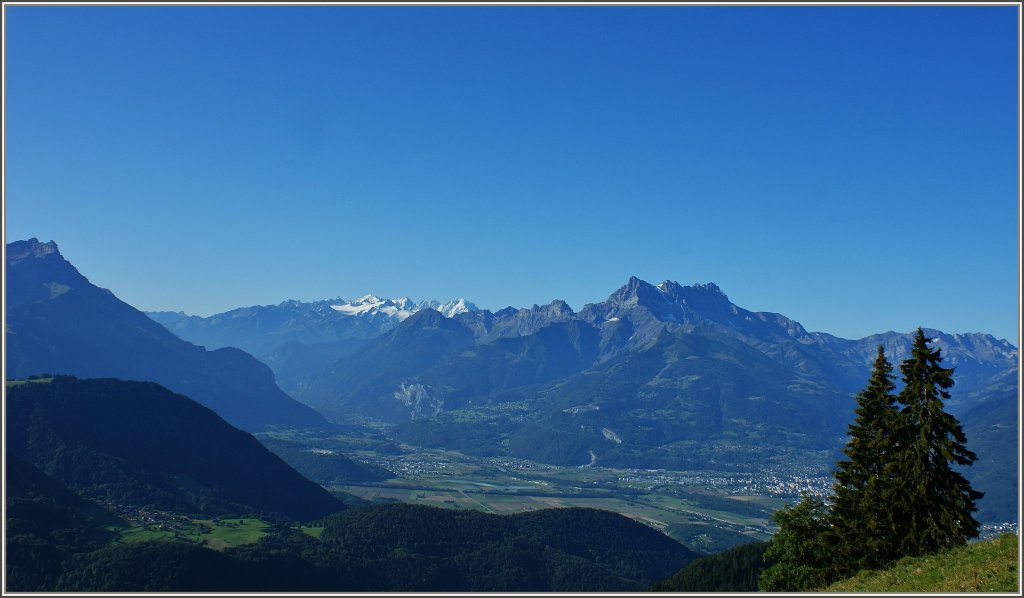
{"x":401,"y":308}
{"x":452,"y":308}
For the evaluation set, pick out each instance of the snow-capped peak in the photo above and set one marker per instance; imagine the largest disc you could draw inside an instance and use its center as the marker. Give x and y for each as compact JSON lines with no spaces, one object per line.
{"x":449,"y":309}
{"x":456,"y":306}
{"x":400,"y":308}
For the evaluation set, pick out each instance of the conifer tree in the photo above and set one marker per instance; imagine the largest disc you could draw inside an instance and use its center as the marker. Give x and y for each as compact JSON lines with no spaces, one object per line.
{"x":930,"y":504}
{"x":858,"y":514}
{"x":799,"y":550}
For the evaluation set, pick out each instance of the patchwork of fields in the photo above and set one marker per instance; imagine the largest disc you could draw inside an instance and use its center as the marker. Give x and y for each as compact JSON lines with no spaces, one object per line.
{"x":702,"y":510}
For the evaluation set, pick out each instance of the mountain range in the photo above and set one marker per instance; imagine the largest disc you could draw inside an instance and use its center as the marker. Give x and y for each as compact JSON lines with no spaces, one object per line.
{"x":297,"y":339}
{"x":655,"y":376}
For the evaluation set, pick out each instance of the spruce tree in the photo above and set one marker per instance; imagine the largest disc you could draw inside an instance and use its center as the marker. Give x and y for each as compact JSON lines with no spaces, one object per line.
{"x":859,"y":517}
{"x":930,"y":504}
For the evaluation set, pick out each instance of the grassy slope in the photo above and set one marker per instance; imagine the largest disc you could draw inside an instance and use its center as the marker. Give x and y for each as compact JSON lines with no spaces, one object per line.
{"x":217,"y":535}
{"x":989,"y":566}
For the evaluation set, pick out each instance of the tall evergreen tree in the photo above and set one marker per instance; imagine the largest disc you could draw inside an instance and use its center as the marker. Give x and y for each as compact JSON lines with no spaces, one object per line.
{"x":859,"y":517}
{"x":930,"y":504}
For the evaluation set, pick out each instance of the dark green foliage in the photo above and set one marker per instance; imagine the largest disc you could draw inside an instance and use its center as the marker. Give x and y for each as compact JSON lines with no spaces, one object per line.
{"x":46,"y":523}
{"x":733,"y":570}
{"x":157,"y":566}
{"x":799,"y":550}
{"x":930,"y":504}
{"x":403,"y":548}
{"x":859,"y":514}
{"x":136,"y":443}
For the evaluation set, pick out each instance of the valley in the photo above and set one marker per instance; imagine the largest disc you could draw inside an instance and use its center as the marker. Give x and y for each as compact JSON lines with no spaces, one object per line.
{"x":707,"y":511}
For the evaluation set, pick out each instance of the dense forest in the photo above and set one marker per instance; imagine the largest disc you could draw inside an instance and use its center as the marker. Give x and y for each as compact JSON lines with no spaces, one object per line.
{"x":378,"y":548}
{"x":733,"y":570}
{"x":46,"y":524}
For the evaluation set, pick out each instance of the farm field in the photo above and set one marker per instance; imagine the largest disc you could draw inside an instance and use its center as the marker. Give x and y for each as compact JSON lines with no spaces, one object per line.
{"x":707,"y":511}
{"x":692,"y":508}
{"x":701,"y":529}
{"x":217,"y":534}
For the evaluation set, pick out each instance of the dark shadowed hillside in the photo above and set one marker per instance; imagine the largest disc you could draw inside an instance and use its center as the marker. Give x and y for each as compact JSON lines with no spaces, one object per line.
{"x":402,"y":548}
{"x":733,"y":570}
{"x":46,"y":523}
{"x":136,"y":443}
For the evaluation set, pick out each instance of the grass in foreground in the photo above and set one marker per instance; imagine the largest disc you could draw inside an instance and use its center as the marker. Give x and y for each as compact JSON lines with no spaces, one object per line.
{"x":989,"y":566}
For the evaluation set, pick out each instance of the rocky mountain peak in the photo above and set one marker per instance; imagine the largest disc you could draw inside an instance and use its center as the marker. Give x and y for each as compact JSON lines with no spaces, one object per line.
{"x":32,"y":248}
{"x":634,"y":292}
{"x":702,"y":297}
{"x":556,"y":308}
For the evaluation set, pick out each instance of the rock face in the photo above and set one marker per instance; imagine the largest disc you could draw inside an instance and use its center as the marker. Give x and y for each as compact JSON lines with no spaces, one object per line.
{"x":59,"y":322}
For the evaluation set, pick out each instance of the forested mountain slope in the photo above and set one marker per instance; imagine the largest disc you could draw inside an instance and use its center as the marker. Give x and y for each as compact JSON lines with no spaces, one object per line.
{"x":137,"y":443}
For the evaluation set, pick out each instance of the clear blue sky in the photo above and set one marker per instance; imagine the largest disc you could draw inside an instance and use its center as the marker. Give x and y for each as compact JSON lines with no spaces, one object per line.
{"x":854,"y":168}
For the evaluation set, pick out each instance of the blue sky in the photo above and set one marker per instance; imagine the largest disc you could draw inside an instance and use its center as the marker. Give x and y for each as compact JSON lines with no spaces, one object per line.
{"x":854,"y":168}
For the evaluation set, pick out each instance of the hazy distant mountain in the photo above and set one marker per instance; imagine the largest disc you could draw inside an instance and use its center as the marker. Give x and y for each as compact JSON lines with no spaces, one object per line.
{"x":655,"y":376}
{"x":297,"y":339}
{"x":365,"y":382}
{"x":629,"y":322}
{"x":137,"y":443}
{"x":59,"y":322}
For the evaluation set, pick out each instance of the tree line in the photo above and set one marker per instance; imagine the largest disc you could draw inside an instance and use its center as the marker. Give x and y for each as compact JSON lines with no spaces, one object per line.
{"x":896,"y":492}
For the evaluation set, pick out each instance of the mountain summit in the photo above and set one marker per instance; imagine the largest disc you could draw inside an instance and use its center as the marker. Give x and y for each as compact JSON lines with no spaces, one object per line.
{"x":59,"y":322}
{"x":20,"y":250}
